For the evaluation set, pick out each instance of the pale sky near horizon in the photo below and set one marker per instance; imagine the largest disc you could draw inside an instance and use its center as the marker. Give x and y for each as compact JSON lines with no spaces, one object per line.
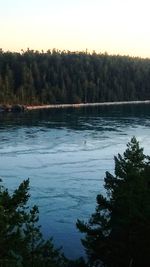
{"x":112,"y":26}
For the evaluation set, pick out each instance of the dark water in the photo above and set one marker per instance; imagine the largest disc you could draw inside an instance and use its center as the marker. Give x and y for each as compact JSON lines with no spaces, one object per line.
{"x":65,"y":153}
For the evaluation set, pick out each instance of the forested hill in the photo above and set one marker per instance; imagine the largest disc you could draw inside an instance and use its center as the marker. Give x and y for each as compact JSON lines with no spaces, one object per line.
{"x":71,"y":77}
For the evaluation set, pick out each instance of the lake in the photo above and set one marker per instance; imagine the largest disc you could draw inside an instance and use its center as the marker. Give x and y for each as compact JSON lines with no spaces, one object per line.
{"x":65,"y":153}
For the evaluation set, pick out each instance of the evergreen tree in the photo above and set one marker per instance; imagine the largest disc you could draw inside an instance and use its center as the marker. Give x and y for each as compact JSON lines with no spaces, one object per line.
{"x":118,"y":233}
{"x":21,"y":241}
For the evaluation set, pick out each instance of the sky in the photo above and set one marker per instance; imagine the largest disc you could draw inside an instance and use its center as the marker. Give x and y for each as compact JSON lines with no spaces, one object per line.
{"x":112,"y":26}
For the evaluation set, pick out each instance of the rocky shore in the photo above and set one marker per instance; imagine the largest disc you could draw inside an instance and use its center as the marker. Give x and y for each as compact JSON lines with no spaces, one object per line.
{"x":12,"y":108}
{"x":52,"y":106}
{"x":21,"y":108}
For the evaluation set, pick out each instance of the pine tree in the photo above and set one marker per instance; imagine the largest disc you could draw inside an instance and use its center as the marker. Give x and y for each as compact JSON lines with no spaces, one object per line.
{"x":118,"y":233}
{"x":21,"y":241}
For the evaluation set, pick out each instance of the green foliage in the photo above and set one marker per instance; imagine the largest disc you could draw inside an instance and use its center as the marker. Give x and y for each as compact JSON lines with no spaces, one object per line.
{"x":118,"y":233}
{"x":71,"y":77}
{"x":21,"y":241}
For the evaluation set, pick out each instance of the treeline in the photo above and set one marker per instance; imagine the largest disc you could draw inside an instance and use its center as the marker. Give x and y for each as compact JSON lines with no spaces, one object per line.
{"x":33,"y":77}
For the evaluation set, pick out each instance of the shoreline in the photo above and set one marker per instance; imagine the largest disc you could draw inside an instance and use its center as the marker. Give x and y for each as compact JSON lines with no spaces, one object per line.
{"x":62,"y":106}
{"x":22,"y":108}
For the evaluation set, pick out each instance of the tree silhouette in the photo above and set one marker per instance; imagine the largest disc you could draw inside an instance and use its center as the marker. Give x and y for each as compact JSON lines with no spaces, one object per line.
{"x":21,"y":241}
{"x":118,"y":233}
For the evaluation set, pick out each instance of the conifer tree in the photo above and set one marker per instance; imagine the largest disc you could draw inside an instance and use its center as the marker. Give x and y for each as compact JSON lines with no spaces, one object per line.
{"x":118,"y":233}
{"x":21,"y":241}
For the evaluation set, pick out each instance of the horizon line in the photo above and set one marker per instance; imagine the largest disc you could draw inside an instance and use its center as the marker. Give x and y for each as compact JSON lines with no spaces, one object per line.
{"x":85,"y":51}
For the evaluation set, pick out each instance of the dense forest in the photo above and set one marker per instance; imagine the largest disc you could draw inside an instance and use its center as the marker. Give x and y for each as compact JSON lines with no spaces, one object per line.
{"x":33,"y":77}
